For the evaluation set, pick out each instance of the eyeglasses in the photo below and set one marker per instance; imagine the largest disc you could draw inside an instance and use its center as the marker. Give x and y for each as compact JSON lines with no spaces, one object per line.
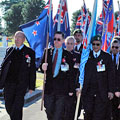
{"x":70,"y":43}
{"x":116,"y":47}
{"x":58,"y":39}
{"x":97,"y":44}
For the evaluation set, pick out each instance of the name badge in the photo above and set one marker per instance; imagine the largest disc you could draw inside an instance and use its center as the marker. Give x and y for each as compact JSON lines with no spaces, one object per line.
{"x":101,"y":68}
{"x":64,"y":67}
{"x":76,"y":65}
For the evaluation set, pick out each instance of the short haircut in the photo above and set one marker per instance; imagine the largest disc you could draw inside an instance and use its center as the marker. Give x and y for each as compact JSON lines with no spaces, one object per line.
{"x":61,"y":33}
{"x":115,"y":41}
{"x":77,"y":31}
{"x":117,"y":37}
{"x":20,"y":33}
{"x":70,"y":37}
{"x":96,"y":38}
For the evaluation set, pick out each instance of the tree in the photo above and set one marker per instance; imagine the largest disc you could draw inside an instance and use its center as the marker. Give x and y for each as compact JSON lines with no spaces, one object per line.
{"x":32,"y":9}
{"x":13,"y":18}
{"x":6,"y":4}
{"x":74,"y":19}
{"x":0,"y":24}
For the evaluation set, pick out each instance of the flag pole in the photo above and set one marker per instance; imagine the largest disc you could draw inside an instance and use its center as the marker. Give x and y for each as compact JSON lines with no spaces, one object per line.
{"x":59,"y":19}
{"x":77,"y":105}
{"x":44,"y":80}
{"x":46,"y":54}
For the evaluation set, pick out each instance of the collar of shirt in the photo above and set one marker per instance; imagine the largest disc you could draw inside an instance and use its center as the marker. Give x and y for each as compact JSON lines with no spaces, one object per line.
{"x":117,"y":57}
{"x":19,"y":47}
{"x":78,"y":46}
{"x":98,"y":53}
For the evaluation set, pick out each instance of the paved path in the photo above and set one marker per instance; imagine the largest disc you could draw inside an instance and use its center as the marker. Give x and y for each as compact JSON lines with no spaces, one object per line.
{"x":31,"y":111}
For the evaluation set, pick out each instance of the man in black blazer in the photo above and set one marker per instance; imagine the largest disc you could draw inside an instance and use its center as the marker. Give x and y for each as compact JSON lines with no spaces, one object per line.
{"x":59,"y":82}
{"x":71,"y":101}
{"x":17,"y":76}
{"x":115,"y":46}
{"x":98,"y":86}
{"x":79,"y":39}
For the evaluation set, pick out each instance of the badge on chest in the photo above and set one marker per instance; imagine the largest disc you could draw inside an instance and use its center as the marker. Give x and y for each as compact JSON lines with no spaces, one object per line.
{"x":64,"y":65}
{"x":100,"y":66}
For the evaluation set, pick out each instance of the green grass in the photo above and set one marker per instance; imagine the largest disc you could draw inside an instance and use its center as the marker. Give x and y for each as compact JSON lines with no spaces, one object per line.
{"x":39,"y":80}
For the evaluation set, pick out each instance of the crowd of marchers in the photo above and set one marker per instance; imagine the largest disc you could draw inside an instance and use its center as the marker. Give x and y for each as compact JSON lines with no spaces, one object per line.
{"x":100,"y":93}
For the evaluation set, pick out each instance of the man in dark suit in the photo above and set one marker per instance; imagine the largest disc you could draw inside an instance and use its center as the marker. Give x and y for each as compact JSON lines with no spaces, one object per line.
{"x":98,"y":86}
{"x":20,"y":76}
{"x":79,"y":39}
{"x":59,"y":82}
{"x":115,"y":45}
{"x":70,"y":104}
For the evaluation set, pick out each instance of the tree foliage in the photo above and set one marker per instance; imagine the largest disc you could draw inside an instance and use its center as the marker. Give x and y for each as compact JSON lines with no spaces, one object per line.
{"x":20,"y":13}
{"x":6,"y":4}
{"x":32,"y":9}
{"x":74,"y":19}
{"x":0,"y":24}
{"x":13,"y":18}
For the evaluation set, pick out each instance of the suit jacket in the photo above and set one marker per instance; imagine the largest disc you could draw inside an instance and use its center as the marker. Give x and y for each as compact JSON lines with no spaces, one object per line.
{"x":117,"y":76}
{"x":63,"y":83}
{"x":80,"y":49}
{"x":76,"y":72}
{"x":27,"y":72}
{"x":105,"y":79}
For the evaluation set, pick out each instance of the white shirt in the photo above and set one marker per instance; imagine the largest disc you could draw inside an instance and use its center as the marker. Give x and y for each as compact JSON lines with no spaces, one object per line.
{"x":78,"y":46}
{"x":96,"y":54}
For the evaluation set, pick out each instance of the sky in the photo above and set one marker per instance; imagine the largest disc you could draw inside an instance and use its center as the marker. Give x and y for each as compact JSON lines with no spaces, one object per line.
{"x":74,"y":5}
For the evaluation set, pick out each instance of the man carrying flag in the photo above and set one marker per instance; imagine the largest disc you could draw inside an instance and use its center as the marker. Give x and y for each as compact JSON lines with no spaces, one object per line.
{"x":59,"y":79}
{"x":98,"y":86}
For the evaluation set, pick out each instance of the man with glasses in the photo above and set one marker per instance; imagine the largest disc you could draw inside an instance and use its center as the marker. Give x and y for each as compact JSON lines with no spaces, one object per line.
{"x":115,"y":45}
{"x":98,"y":86}
{"x":59,"y":79}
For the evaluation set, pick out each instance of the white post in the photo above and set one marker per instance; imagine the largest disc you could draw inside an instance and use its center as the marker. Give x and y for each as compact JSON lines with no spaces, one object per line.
{"x":4,"y":41}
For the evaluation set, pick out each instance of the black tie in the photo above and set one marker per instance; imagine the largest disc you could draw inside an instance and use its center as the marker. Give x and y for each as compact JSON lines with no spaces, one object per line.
{"x":114,"y":59}
{"x":76,"y":48}
{"x":95,"y":55}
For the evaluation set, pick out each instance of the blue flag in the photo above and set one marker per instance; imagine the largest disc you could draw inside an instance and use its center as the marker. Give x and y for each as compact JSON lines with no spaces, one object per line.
{"x":62,"y":13}
{"x":86,"y":45}
{"x":36,"y":33}
{"x":108,"y":28}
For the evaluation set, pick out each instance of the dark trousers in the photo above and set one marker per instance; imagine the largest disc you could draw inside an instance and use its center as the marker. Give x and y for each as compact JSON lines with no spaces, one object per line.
{"x":95,"y":108}
{"x":70,"y":107}
{"x":54,"y":105}
{"x":14,"y":101}
{"x":115,"y":110}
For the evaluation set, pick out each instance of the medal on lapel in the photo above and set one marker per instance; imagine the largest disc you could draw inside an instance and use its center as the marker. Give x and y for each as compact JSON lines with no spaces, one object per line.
{"x":28,"y":60}
{"x":64,"y":65}
{"x":100,"y":66}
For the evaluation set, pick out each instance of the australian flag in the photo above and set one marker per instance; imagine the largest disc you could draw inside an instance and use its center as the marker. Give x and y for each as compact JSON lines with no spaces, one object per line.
{"x":99,"y":25}
{"x":63,"y":22}
{"x":81,"y":21}
{"x":36,"y":32}
{"x":105,"y":7}
{"x":108,"y":29}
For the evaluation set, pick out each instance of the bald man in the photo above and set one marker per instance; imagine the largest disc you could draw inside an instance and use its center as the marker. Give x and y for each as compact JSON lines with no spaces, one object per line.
{"x":18,"y":75}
